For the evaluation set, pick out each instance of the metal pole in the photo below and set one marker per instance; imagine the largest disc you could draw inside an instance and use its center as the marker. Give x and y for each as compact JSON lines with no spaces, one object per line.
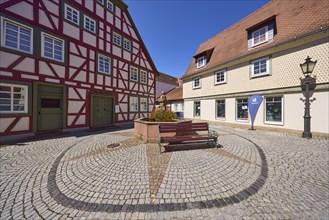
{"x":307,"y":118}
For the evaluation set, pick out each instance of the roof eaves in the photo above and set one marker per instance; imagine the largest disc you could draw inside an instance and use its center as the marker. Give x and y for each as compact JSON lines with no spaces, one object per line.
{"x":322,"y":28}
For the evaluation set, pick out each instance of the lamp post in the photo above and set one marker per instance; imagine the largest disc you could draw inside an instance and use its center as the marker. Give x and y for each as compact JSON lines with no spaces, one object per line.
{"x":308,"y":84}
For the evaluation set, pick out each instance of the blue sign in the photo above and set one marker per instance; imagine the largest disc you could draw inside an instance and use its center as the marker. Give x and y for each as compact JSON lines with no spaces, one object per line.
{"x":253,"y":105}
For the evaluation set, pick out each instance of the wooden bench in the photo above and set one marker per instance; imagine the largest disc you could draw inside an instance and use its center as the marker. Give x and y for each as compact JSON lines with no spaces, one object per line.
{"x":186,"y":132}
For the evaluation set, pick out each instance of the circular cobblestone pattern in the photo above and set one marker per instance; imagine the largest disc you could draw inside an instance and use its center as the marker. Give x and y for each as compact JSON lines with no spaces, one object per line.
{"x":115,"y":176}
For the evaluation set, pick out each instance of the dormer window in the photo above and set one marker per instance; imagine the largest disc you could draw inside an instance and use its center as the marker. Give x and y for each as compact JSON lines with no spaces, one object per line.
{"x":200,"y":62}
{"x":260,"y":36}
{"x":262,"y":32}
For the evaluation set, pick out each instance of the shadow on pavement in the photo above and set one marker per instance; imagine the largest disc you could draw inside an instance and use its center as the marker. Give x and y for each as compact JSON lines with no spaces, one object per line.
{"x":23,"y":140}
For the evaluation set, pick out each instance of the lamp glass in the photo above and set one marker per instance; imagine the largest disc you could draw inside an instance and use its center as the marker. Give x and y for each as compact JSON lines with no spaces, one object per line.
{"x":308,"y":66}
{"x":304,"y":67}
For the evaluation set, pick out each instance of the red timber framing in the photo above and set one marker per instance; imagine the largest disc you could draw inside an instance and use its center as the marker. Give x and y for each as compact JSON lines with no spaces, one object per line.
{"x":78,"y":70}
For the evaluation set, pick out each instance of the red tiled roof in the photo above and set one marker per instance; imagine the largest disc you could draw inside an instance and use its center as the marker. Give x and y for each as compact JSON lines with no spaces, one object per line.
{"x":175,"y":94}
{"x":165,"y":78}
{"x":293,"y":19}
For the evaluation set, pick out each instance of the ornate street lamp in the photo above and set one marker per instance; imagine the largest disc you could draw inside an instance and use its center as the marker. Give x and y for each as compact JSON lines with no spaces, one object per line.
{"x":308,"y":85}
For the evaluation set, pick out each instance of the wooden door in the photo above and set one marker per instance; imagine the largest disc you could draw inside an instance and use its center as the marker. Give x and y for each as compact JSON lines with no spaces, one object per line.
{"x":102,"y":111}
{"x":50,"y":108}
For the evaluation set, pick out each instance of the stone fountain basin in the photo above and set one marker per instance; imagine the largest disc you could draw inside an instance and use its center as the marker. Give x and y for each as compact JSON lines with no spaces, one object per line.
{"x":148,"y":130}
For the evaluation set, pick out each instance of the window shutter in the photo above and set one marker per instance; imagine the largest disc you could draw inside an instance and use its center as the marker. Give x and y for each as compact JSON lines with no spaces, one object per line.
{"x":270,"y":31}
{"x":249,"y":40}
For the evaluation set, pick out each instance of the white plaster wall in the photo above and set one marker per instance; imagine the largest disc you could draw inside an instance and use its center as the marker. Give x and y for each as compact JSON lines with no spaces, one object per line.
{"x":293,"y":112}
{"x":188,"y":109}
{"x":71,"y":30}
{"x":208,"y":110}
{"x":22,"y":124}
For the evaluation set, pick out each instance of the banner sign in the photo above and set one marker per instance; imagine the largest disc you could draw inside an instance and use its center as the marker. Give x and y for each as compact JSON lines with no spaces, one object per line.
{"x":253,"y":105}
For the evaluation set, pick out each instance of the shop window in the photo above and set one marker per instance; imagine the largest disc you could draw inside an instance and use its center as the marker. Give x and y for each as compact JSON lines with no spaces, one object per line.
{"x":197,"y":109}
{"x":273,"y":110}
{"x":242,"y":109}
{"x":220,"y":109}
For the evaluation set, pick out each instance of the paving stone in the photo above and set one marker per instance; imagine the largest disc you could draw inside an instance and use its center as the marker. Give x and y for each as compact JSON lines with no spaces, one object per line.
{"x":256,"y":175}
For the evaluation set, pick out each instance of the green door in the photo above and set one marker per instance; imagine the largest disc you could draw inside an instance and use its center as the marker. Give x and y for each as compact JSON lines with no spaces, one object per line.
{"x":50,"y":108}
{"x":102,"y":110}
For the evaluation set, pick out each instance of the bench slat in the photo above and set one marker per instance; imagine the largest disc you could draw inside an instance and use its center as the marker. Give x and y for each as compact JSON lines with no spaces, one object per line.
{"x":185,"y":132}
{"x":187,"y":138}
{"x":166,"y":128}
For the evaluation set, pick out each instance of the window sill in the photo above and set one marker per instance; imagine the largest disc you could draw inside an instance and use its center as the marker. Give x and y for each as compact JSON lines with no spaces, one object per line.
{"x":17,"y":50}
{"x":273,"y":123}
{"x":72,"y":23}
{"x":89,"y":31}
{"x":219,"y":83}
{"x":103,"y":73}
{"x":13,"y":114}
{"x":197,"y":87}
{"x":260,"y":75}
{"x":242,"y":120}
{"x":221,"y":119}
{"x":255,"y":45}
{"x":118,"y":45}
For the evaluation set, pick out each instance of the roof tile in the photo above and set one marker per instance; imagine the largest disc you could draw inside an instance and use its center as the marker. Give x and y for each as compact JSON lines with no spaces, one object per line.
{"x":293,"y":19}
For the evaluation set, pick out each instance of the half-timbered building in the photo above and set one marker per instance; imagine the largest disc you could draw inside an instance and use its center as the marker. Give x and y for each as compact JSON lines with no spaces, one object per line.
{"x":71,"y":64}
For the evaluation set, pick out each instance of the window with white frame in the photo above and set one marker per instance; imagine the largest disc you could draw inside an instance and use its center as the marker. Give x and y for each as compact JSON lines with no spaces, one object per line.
{"x":104,"y":64}
{"x":242,"y":109}
{"x":220,"y":77}
{"x":274,"y":110}
{"x":133,"y":73}
{"x":200,"y":62}
{"x":126,"y":44}
{"x":196,"y":83}
{"x":197,"y":109}
{"x":117,"y":39}
{"x":16,"y":36}
{"x":143,"y":76}
{"x":52,"y":47}
{"x":109,"y":6}
{"x":133,"y":104}
{"x":260,"y":67}
{"x":13,"y":98}
{"x":143,"y":104}
{"x":72,"y":14}
{"x":89,"y":24}
{"x":220,"y":109}
{"x":260,"y":36}
{"x":100,"y":1}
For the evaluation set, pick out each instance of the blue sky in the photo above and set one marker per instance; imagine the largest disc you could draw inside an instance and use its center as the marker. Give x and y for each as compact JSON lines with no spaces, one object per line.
{"x":173,"y":30}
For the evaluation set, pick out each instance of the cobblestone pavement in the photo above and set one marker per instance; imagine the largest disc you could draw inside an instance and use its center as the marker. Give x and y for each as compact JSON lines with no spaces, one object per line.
{"x":113,"y":175}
